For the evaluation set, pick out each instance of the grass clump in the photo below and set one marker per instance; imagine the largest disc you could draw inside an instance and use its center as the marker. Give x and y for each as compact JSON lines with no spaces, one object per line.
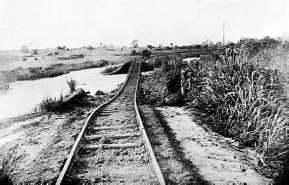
{"x":246,"y":103}
{"x":5,"y":178}
{"x":49,"y":104}
{"x":71,"y":84}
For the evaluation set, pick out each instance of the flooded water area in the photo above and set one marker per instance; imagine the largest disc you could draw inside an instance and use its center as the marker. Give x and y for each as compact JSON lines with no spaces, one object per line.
{"x":23,"y":96}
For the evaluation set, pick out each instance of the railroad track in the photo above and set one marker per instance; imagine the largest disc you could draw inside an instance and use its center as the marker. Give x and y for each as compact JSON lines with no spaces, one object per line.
{"x":112,"y":146}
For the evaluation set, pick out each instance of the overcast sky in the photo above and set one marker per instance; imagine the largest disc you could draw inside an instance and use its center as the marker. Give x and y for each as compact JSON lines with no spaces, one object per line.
{"x":76,"y":23}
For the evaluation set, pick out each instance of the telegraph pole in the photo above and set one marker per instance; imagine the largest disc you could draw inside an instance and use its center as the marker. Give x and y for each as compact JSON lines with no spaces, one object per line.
{"x":207,"y":46}
{"x":224,"y":33}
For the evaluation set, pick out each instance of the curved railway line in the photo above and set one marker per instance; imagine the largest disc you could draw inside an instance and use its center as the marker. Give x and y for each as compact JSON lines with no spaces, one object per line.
{"x":112,"y":146}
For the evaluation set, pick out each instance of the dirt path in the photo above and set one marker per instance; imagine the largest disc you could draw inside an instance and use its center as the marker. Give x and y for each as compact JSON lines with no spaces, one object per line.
{"x":216,"y":161}
{"x":169,"y":153}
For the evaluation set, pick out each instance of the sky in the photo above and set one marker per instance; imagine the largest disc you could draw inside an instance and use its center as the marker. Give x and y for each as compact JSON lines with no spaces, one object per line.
{"x":77,"y":23}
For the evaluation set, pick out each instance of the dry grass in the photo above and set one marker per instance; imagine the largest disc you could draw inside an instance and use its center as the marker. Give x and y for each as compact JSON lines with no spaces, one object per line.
{"x":244,"y":100}
{"x":34,"y":73}
{"x":72,"y":84}
{"x":248,"y":103}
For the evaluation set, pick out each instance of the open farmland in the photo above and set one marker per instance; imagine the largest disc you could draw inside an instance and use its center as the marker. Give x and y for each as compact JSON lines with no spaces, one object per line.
{"x":144,"y":92}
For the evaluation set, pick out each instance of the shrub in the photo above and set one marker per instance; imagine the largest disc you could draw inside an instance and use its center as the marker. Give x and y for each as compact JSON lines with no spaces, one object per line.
{"x":24,"y":59}
{"x":167,"y":81}
{"x":133,"y":52}
{"x":99,"y":92}
{"x":145,"y":53}
{"x":72,"y":84}
{"x":61,"y":47}
{"x":49,"y":104}
{"x":89,"y":47}
{"x":24,"y":49}
{"x":34,"y":52}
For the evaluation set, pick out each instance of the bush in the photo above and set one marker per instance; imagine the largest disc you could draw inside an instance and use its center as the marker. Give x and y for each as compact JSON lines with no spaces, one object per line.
{"x":61,"y":47}
{"x":34,"y":52}
{"x":72,"y":84}
{"x":99,"y":92}
{"x":166,"y":82}
{"x":145,"y":53}
{"x":90,"y":48}
{"x":134,"y":53}
{"x":49,"y":104}
{"x":24,"y":49}
{"x":24,"y":59}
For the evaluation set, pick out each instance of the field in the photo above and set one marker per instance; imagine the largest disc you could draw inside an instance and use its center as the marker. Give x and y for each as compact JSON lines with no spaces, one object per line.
{"x":12,"y":59}
{"x":15,"y":65}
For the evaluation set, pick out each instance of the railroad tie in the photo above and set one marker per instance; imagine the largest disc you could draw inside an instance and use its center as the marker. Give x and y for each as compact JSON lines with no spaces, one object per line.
{"x":99,"y":136}
{"x":113,"y":127}
{"x":103,"y":115}
{"x":104,"y":146}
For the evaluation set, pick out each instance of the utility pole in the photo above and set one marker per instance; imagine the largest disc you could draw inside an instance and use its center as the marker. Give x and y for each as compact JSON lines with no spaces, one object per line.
{"x":207,"y":46}
{"x":224,"y":33}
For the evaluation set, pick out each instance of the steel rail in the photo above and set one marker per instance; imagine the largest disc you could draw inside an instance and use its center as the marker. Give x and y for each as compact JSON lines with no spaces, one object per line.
{"x":69,"y":161}
{"x":80,"y":137}
{"x":145,"y":137}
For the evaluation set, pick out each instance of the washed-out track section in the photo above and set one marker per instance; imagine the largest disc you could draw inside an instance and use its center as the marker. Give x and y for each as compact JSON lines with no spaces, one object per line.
{"x":113,"y":146}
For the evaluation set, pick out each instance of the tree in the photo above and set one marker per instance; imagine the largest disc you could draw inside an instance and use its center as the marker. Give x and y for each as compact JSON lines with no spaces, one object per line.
{"x":145,"y":53}
{"x":150,"y":46}
{"x":219,"y":44}
{"x":24,"y":49}
{"x":61,"y":47}
{"x":34,"y":51}
{"x":90,"y":48}
{"x":133,"y":52}
{"x":134,"y":43}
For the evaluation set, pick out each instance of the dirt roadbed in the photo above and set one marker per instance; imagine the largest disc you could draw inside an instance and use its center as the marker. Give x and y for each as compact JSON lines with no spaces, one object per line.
{"x":40,"y":144}
{"x":190,"y":153}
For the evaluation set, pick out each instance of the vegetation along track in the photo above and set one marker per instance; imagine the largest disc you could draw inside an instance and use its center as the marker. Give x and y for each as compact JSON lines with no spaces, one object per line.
{"x":112,"y":146}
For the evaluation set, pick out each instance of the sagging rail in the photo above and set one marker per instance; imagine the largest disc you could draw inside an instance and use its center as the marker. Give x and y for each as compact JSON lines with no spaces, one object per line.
{"x":112,"y":145}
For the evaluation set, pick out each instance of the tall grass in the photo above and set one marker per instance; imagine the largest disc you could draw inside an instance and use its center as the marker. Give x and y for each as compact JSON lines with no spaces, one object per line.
{"x":71,"y":84}
{"x":239,"y":99}
{"x":247,"y":103}
{"x":49,"y":104}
